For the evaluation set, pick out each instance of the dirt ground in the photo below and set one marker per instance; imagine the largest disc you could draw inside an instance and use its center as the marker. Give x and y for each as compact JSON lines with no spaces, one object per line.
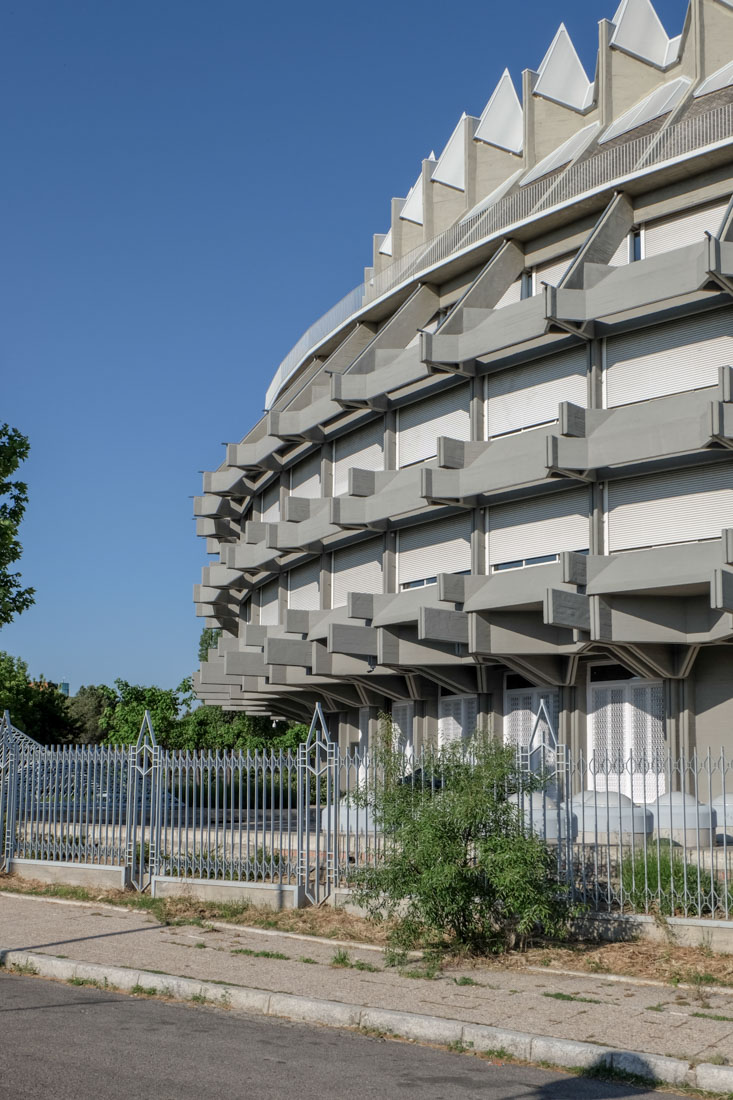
{"x":668,"y":963}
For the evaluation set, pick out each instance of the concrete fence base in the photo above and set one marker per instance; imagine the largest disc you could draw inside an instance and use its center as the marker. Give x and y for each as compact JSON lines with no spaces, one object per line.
{"x":271,"y":895}
{"x":90,"y":875}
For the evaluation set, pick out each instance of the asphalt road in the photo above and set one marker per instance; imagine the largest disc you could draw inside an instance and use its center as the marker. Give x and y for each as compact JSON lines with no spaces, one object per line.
{"x":72,"y":1043}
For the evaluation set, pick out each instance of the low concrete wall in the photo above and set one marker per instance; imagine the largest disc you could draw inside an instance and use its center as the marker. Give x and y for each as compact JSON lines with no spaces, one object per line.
{"x":267,"y":894}
{"x":681,"y":931}
{"x":621,"y":927}
{"x":91,"y":875}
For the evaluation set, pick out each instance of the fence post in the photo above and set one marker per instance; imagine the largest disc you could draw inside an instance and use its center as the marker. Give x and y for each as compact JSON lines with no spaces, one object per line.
{"x":317,"y":762}
{"x":143,"y":807}
{"x":8,"y":791}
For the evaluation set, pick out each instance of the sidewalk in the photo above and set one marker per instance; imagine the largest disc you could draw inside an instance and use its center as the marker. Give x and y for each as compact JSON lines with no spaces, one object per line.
{"x":649,"y":1029}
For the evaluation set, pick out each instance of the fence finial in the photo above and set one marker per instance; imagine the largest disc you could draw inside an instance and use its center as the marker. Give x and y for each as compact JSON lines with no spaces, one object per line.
{"x":318,"y":730}
{"x":146,"y":737}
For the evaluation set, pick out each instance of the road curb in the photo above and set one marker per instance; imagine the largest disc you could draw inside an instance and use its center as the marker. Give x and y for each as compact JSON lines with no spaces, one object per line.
{"x":525,"y":1046}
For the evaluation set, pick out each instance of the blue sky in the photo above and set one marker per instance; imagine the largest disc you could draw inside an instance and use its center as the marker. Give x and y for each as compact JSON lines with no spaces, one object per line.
{"x":187,"y":186}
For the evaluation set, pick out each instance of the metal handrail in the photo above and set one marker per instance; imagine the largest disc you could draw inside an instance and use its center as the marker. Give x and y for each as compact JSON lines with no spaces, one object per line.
{"x":609,"y":167}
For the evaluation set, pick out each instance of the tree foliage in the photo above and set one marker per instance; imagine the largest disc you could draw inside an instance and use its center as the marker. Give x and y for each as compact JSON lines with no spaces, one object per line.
{"x":13,"y":499}
{"x":36,"y":707}
{"x":122,"y":717}
{"x":209,"y":637}
{"x":87,"y":708}
{"x":459,"y":870}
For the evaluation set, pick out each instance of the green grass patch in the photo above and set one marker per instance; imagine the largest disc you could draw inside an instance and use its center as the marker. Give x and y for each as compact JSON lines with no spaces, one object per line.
{"x":257,"y":954}
{"x":573,"y":997}
{"x":145,"y":990}
{"x":712,"y":1016}
{"x":307,"y":959}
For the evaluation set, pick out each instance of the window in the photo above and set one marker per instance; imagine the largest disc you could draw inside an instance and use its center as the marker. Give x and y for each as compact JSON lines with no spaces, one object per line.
{"x":403,"y":718}
{"x":457,"y":718}
{"x":627,"y":743}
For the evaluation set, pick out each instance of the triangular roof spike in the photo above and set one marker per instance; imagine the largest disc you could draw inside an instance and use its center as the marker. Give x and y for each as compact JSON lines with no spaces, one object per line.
{"x":146,"y":737}
{"x":451,"y":166}
{"x":639,"y":32}
{"x":385,"y":248}
{"x":561,"y":76}
{"x":412,"y":211}
{"x":501,"y":122}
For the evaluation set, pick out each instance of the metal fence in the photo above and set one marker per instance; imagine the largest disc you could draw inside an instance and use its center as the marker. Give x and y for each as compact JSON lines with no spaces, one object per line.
{"x":629,"y":832}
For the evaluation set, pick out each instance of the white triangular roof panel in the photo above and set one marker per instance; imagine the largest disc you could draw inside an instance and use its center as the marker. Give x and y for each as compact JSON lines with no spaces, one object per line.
{"x":451,"y":166}
{"x":561,"y":76}
{"x":501,"y":123}
{"x":564,"y":153}
{"x":639,"y":31}
{"x":412,"y":211}
{"x":720,"y":79}
{"x":385,"y":248}
{"x":660,"y":102}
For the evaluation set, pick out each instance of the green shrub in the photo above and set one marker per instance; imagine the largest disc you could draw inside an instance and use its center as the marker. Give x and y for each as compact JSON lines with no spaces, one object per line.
{"x":458,"y":871}
{"x":663,"y":882}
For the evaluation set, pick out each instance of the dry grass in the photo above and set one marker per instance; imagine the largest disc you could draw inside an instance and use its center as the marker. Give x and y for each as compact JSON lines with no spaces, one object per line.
{"x":322,"y":920}
{"x":658,"y":961}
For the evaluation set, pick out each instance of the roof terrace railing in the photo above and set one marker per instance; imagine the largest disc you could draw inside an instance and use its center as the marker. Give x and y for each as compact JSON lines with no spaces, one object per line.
{"x":584,"y":176}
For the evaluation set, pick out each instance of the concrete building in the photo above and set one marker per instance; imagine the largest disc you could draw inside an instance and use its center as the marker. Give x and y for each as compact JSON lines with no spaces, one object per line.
{"x":501,"y":469}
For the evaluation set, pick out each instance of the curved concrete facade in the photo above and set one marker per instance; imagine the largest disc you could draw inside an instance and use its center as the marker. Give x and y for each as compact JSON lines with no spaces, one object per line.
{"x":502,"y":472}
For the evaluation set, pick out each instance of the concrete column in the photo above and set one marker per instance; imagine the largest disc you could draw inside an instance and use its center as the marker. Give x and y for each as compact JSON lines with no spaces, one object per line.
{"x":325,"y":581}
{"x":389,"y":568}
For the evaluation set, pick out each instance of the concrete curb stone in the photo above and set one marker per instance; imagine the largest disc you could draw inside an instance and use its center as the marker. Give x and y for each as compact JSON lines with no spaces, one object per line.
{"x":714,"y":1078}
{"x":525,"y":1046}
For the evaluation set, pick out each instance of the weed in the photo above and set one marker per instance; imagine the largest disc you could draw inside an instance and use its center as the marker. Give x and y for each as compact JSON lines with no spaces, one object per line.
{"x":144,"y":990}
{"x":429,"y":974}
{"x":359,"y":964}
{"x":465,"y":980}
{"x":198,"y":998}
{"x":258,"y":954}
{"x":24,"y":968}
{"x":199,"y":945}
{"x":497,"y":1053}
{"x":717,"y":1059}
{"x":655,"y":1008}
{"x":712,"y":1016}
{"x":307,"y":959}
{"x":456,"y":1047}
{"x":341,"y":958}
{"x":94,"y":982}
{"x":572,"y":997}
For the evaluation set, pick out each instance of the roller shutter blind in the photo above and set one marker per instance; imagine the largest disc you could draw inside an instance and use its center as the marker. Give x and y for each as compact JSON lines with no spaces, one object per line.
{"x":420,"y":424}
{"x":362,"y":450}
{"x":681,"y":229}
{"x":627,"y":739}
{"x":305,"y":478}
{"x":269,"y":604}
{"x":403,"y":718}
{"x":682,"y":355}
{"x":538,"y":527}
{"x":270,"y":504}
{"x":432,"y":548}
{"x":679,"y":506}
{"x":521,"y":708}
{"x":457,"y":718}
{"x":524,"y":396}
{"x":512,"y":294}
{"x":304,"y":587}
{"x":356,"y":569}
{"x":552,"y":272}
